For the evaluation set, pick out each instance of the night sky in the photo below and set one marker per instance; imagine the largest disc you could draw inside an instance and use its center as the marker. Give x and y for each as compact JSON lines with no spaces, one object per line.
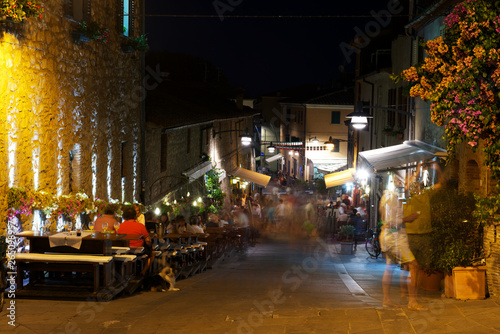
{"x":257,"y":53}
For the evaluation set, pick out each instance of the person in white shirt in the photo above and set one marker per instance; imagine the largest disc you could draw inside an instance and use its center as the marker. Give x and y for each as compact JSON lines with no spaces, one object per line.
{"x":140,"y":217}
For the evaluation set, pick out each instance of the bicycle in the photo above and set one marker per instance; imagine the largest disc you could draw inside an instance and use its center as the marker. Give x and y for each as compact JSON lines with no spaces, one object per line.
{"x":372,"y":243}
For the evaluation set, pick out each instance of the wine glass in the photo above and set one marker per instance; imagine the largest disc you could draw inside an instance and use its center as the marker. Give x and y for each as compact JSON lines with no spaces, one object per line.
{"x":66,"y":226}
{"x":91,"y":226}
{"x":104,"y":227}
{"x":117,"y":226}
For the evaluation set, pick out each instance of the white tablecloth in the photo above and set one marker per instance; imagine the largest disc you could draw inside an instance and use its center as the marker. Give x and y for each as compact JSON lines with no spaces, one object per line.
{"x":67,"y":239}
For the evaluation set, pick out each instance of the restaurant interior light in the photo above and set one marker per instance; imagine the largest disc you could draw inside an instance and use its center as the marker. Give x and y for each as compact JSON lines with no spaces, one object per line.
{"x":290,"y":152}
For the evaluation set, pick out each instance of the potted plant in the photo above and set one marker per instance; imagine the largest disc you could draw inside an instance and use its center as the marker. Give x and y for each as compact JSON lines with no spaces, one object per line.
{"x":132,"y":44}
{"x":19,"y":10}
{"x":91,"y":31}
{"x":457,"y":244}
{"x":347,"y":241}
{"x":399,"y":133}
{"x":387,"y":131}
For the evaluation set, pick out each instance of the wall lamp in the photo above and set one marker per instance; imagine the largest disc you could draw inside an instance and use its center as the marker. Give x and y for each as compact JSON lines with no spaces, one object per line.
{"x":314,"y":141}
{"x":245,"y":138}
{"x":271,"y":148}
{"x":330,"y":144}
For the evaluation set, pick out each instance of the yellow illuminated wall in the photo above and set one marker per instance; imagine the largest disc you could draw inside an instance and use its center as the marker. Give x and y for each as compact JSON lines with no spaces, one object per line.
{"x":57,"y":96}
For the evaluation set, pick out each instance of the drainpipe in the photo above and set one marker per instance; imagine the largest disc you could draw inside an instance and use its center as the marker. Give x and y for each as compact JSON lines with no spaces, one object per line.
{"x":371,"y":119}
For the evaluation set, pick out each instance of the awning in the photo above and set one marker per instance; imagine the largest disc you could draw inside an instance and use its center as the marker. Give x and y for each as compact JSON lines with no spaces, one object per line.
{"x":397,"y":155}
{"x":198,"y":170}
{"x":251,"y":176}
{"x":274,"y":157}
{"x":340,"y":178}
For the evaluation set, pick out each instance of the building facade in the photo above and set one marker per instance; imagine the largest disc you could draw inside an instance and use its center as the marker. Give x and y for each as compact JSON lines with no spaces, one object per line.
{"x":71,"y":111}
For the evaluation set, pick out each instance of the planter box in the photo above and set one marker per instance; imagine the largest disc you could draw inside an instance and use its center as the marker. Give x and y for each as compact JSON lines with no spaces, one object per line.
{"x":466,"y":283}
{"x":127,"y":48}
{"x":346,"y":248}
{"x":79,"y":37}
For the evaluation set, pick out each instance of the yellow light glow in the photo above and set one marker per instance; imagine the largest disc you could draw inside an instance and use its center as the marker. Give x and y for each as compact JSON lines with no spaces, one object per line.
{"x":157,"y":211}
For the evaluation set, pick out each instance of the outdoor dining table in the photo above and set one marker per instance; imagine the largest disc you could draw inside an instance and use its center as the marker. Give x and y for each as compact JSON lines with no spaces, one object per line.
{"x":91,"y":242}
{"x":68,"y":244}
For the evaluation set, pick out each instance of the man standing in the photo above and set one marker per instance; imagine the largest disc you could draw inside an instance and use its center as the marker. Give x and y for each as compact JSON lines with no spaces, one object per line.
{"x":394,"y":242}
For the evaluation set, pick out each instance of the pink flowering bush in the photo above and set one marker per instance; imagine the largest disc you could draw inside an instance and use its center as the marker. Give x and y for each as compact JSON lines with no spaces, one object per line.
{"x":461,"y":78}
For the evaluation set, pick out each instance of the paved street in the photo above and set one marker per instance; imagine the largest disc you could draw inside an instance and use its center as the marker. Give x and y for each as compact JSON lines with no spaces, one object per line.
{"x":281,"y":285}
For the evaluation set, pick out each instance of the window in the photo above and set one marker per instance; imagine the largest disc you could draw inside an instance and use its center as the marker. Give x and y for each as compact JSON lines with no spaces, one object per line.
{"x":335,"y":117}
{"x":163,"y":152}
{"x":126,"y":17}
{"x":78,"y":9}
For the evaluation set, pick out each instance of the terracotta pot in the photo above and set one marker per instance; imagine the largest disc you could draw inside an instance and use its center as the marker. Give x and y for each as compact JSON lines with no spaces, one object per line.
{"x":430,"y":282}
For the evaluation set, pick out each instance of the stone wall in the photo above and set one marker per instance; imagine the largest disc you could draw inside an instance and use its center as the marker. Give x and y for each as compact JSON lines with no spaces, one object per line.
{"x":57,"y":96}
{"x":224,"y":150}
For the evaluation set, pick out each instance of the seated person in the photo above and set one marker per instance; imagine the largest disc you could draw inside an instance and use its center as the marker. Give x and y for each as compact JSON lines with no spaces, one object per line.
{"x":194,"y":226}
{"x":132,"y":226}
{"x":181,"y":225}
{"x":172,"y":226}
{"x":108,"y":217}
{"x":213,"y":220}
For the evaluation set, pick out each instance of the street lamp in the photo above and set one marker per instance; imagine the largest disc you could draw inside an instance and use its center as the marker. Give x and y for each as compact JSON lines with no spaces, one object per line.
{"x":245,"y":138}
{"x":359,"y":118}
{"x":271,"y":148}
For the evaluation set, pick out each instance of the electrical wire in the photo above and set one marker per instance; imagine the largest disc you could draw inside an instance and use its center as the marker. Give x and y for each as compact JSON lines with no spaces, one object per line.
{"x":205,"y":16}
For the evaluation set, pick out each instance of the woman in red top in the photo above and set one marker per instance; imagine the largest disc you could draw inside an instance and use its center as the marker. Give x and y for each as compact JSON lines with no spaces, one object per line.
{"x":132,"y":226}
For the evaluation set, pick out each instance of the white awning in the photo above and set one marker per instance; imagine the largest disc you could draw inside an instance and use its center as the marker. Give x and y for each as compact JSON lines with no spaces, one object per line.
{"x":251,"y":176}
{"x":274,"y":157}
{"x":198,"y":170}
{"x":340,"y":178}
{"x":397,"y":155}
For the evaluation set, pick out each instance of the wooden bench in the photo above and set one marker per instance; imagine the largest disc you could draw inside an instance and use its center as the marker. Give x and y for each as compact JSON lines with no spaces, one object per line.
{"x":125,"y":265}
{"x":65,"y":263}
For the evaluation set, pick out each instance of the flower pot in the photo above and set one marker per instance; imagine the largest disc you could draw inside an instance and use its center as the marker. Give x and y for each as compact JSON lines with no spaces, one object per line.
{"x":79,"y":37}
{"x":127,"y":48}
{"x":346,"y":247}
{"x":430,"y":281}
